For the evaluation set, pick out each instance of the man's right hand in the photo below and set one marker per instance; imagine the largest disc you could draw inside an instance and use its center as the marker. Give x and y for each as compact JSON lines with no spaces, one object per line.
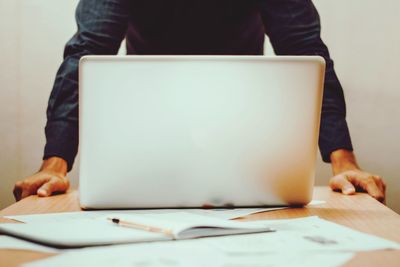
{"x":50,"y":179}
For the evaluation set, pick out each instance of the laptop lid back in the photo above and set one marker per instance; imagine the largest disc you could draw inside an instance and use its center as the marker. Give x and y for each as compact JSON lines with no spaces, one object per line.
{"x":189,"y":131}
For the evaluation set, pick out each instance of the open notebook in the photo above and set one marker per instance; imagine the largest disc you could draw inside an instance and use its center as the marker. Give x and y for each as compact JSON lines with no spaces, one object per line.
{"x":102,"y":231}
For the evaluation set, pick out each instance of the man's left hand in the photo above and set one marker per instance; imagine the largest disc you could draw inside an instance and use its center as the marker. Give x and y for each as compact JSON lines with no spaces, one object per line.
{"x":349,"y":178}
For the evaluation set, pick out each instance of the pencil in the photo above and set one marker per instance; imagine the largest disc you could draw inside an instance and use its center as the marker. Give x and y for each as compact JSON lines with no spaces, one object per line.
{"x":148,"y":228}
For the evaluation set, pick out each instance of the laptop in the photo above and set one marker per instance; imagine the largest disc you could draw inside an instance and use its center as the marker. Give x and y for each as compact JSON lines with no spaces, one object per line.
{"x":198,"y":131}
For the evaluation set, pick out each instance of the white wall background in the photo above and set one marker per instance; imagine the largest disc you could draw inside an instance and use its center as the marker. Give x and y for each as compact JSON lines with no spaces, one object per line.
{"x":363,"y":37}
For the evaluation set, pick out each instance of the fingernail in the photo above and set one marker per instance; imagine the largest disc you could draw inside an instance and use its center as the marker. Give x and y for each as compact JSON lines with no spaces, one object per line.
{"x":42,"y":192}
{"x":348,"y":190}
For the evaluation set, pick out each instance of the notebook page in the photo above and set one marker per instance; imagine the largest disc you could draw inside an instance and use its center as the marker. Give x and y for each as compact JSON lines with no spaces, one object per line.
{"x":178,"y":222}
{"x":79,"y":233}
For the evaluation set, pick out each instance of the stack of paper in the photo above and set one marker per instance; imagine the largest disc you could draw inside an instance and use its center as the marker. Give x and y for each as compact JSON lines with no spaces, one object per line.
{"x":309,"y":241}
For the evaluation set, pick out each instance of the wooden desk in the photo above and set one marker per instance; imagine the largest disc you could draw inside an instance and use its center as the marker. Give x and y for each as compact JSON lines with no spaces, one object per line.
{"x":360,"y":212}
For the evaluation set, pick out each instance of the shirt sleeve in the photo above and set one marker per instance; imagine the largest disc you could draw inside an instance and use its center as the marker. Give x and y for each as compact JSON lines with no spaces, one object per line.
{"x":293,"y":27}
{"x":102,"y":25}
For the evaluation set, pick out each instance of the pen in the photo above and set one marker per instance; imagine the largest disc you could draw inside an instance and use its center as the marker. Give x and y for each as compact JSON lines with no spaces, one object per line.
{"x":148,"y":228}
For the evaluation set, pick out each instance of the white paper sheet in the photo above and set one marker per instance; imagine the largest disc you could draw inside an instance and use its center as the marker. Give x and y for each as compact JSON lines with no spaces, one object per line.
{"x":192,"y":253}
{"x":8,"y":242}
{"x":230,"y":214}
{"x":218,"y":213}
{"x":90,"y":215}
{"x":307,"y":234}
{"x":308,"y":241}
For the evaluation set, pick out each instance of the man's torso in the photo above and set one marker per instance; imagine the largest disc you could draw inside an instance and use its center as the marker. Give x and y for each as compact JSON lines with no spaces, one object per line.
{"x":194,"y":27}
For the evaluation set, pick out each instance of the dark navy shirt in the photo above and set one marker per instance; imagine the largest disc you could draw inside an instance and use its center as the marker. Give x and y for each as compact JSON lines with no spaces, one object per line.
{"x":190,"y":27}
